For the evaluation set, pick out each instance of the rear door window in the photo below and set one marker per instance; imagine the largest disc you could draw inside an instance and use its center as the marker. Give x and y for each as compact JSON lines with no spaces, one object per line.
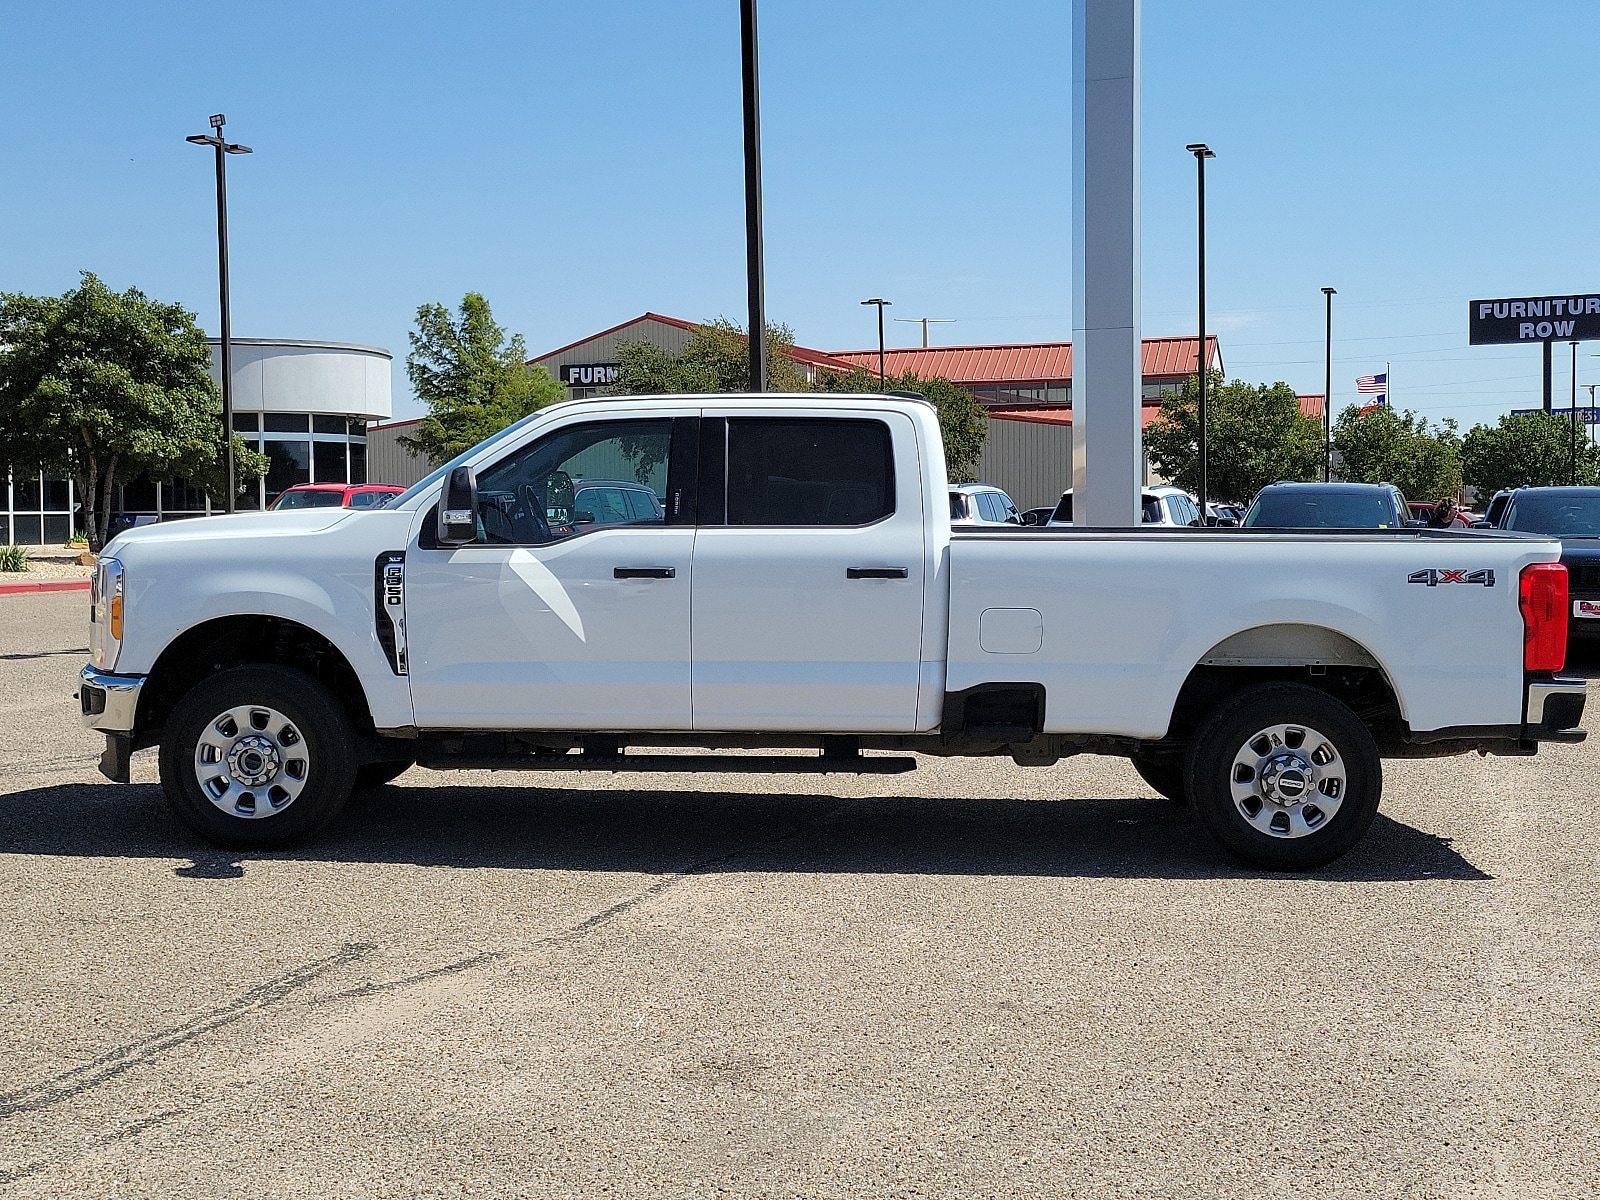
{"x":809,"y":471}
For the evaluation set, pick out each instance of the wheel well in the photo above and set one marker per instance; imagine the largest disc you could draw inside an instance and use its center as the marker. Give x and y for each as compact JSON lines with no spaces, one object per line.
{"x":236,"y":641}
{"x":1321,"y":658}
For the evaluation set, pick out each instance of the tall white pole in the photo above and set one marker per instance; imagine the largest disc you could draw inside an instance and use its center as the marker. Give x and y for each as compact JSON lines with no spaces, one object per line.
{"x":1107,"y":441}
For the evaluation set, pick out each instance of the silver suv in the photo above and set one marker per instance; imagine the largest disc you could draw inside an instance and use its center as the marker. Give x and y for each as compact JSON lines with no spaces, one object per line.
{"x":1159,"y":505}
{"x":980,"y":504}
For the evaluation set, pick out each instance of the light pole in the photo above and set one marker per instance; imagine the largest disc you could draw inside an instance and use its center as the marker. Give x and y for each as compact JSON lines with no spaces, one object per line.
{"x":752,"y":198}
{"x":1201,"y":152}
{"x":1572,"y":414}
{"x":882,"y":304}
{"x":223,"y":148}
{"x":1327,"y":388}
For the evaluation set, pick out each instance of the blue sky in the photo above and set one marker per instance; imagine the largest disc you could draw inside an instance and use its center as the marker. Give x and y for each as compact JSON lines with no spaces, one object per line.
{"x":580,"y":163}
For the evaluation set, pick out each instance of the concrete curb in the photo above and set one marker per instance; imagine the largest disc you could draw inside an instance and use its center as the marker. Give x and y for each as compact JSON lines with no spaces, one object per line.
{"x":44,"y":585}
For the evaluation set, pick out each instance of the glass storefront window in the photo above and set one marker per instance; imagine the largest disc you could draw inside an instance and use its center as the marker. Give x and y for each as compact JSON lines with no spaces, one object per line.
{"x":139,"y":495}
{"x":290,"y":464}
{"x":25,"y":491}
{"x":247,"y":421}
{"x":328,"y":425}
{"x":329,"y":462}
{"x":286,"y":422}
{"x":358,"y":462}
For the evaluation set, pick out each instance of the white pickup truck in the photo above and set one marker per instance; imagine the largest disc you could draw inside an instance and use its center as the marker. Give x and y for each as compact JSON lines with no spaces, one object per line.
{"x":745,"y":574}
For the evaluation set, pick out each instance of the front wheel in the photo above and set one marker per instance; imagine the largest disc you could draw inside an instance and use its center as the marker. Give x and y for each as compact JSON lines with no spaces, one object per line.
{"x":1284,"y":776}
{"x":257,"y":757}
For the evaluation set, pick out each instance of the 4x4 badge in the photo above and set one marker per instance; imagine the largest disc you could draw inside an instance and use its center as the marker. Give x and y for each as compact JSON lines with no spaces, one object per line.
{"x":1433,"y":577}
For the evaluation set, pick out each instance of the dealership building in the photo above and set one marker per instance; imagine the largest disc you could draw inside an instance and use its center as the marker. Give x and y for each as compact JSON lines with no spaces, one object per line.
{"x":306,"y":405}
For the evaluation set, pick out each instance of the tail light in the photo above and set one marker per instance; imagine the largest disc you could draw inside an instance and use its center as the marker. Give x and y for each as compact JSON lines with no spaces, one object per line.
{"x":1543,"y":598}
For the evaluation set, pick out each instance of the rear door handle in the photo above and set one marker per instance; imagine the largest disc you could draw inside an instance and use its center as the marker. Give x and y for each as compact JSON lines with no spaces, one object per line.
{"x":875,"y":573}
{"x":644,"y":572}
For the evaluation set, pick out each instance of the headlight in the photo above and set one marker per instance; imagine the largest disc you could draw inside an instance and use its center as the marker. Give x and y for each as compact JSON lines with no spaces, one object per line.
{"x":105,"y":613}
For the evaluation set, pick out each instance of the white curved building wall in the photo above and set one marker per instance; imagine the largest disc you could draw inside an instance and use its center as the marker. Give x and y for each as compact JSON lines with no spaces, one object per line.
{"x":308,"y":377}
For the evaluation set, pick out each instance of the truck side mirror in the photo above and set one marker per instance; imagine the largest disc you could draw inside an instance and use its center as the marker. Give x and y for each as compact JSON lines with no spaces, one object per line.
{"x":458,"y":508}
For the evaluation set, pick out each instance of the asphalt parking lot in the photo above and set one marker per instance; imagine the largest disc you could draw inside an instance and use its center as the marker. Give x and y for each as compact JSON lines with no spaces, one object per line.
{"x":974,"y":980}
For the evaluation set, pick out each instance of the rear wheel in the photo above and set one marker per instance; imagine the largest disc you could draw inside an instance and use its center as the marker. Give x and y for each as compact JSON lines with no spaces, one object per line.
{"x":1285,"y":776}
{"x":1164,"y":773}
{"x":257,"y":757}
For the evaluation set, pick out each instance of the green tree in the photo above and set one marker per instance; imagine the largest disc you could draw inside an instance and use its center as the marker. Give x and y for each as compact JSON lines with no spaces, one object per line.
{"x":1256,"y":434}
{"x":1531,"y":450}
{"x":1381,"y":445}
{"x":472,"y":379}
{"x":961,"y":418}
{"x":716,"y":358}
{"x":104,"y":385}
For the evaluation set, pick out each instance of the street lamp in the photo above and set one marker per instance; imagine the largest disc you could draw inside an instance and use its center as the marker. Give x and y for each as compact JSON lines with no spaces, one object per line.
{"x":882,"y":304}
{"x":1327,"y":388}
{"x":223,"y":148}
{"x":1202,"y":152}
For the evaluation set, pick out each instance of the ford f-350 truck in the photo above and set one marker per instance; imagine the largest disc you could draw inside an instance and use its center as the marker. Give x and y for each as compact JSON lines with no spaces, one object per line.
{"x":798,"y":588}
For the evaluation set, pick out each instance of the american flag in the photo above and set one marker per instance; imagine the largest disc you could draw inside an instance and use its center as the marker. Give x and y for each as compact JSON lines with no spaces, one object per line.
{"x":1373,"y":383}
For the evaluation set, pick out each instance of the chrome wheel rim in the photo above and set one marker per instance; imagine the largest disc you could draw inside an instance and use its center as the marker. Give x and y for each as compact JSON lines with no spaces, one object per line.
{"x":1288,"y":781}
{"x":251,"y":761}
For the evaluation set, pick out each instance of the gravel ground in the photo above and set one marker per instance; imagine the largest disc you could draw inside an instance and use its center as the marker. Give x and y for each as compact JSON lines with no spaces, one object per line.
{"x":49,"y":562}
{"x":975,"y":980}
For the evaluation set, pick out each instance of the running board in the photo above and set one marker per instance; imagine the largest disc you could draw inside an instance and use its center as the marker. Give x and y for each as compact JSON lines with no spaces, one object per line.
{"x":731,"y":764}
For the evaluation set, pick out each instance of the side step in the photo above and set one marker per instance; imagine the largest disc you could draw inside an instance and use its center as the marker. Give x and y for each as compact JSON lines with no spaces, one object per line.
{"x":732,"y":764}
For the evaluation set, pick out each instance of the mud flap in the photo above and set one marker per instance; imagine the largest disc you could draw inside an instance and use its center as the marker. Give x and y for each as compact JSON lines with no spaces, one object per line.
{"x":114,"y":762}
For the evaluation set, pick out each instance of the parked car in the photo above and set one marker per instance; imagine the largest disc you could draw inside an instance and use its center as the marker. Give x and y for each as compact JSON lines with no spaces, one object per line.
{"x":613,"y":502}
{"x":335,"y":495}
{"x":1573,"y":515}
{"x":981,"y":504}
{"x":1330,"y":506}
{"x":1159,"y":505}
{"x":806,"y":592}
{"x":1038,"y":516}
{"x":1223,"y":514}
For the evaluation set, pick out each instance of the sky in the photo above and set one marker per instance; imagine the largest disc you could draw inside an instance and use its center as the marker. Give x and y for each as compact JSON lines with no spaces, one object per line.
{"x":580,"y":164}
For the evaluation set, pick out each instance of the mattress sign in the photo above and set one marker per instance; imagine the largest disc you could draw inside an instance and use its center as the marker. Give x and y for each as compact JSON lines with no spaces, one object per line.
{"x":1586,"y":608}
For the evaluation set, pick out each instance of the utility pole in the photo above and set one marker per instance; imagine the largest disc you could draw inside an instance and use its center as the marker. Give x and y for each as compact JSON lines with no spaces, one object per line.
{"x":1547,"y":377}
{"x":925,"y":322}
{"x":1327,"y":388}
{"x":882,"y":356}
{"x":752,"y":198}
{"x":223,"y":148}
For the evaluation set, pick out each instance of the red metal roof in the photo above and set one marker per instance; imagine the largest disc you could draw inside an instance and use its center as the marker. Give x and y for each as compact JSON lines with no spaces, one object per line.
{"x":1058,"y":414}
{"x":1311,"y":404}
{"x":801,"y":354}
{"x":1023,"y":361}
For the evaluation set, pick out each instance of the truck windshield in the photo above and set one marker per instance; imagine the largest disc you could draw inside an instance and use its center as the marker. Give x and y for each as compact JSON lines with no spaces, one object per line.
{"x":1566,"y":515}
{"x":1322,"y":510}
{"x":318,"y":499}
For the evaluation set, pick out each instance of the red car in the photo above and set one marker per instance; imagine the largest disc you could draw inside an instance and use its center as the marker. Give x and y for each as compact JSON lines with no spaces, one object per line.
{"x":336,"y":495}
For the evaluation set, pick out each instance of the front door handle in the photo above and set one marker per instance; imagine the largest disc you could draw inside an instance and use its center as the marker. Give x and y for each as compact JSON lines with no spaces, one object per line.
{"x":644,"y":572}
{"x":875,"y":573}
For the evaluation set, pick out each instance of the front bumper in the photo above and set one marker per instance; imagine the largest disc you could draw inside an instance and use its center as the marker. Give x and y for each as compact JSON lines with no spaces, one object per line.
{"x":110,"y":702}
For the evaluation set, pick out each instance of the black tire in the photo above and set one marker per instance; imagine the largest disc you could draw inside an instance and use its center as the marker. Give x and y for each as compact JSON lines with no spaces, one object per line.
{"x":1306,"y":836}
{"x":1164,"y":773}
{"x":376,"y":774}
{"x":315,"y":734}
